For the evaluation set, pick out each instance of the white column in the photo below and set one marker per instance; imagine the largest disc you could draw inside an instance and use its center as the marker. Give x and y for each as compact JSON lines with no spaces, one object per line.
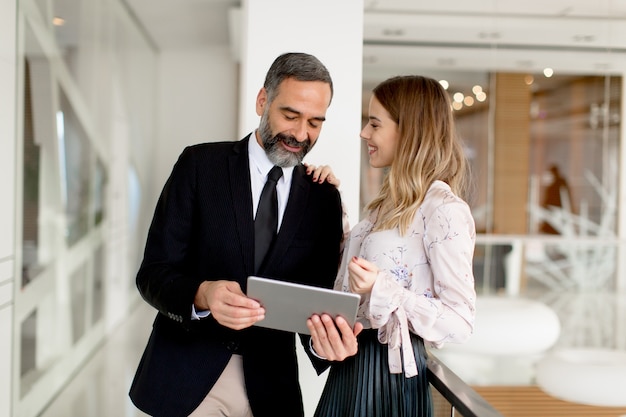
{"x":333,"y":32}
{"x":7,"y":191}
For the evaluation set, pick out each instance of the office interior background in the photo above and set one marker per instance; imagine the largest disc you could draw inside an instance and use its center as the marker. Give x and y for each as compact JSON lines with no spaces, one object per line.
{"x":99,"y":97}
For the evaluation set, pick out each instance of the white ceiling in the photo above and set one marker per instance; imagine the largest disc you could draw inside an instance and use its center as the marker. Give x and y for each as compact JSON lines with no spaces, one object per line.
{"x":452,"y":36}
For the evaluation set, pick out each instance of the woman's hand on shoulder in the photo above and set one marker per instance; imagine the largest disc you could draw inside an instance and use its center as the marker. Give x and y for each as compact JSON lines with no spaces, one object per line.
{"x":322,"y":173}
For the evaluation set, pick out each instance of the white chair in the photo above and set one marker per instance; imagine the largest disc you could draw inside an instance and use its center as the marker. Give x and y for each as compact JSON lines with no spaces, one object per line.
{"x":594,"y":377}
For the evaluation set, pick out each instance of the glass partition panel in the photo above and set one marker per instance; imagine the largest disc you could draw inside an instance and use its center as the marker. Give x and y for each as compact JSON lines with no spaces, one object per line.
{"x":98,"y":291}
{"x":75,"y":160}
{"x":28,"y":344}
{"x":575,"y":122}
{"x":38,"y":228}
{"x":99,"y":188}
{"x":78,"y":288}
{"x":30,"y":202}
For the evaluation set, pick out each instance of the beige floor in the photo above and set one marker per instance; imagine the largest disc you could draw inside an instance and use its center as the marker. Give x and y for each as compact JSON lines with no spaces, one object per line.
{"x":100,"y":388}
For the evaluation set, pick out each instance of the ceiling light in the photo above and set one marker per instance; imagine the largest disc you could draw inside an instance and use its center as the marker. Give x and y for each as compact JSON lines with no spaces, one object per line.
{"x":393,"y":32}
{"x":446,"y":62}
{"x":548,"y":72}
{"x":477,"y":89}
{"x":489,"y":35}
{"x":529,"y":79}
{"x":58,"y":21}
{"x":584,"y":38}
{"x":445,"y":84}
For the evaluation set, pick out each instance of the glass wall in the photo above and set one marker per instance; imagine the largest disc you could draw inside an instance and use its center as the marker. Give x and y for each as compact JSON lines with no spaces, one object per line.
{"x":545,"y":154}
{"x":81,"y":66}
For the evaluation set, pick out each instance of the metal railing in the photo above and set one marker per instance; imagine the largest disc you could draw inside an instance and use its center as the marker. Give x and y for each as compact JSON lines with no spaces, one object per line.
{"x":460,"y":396}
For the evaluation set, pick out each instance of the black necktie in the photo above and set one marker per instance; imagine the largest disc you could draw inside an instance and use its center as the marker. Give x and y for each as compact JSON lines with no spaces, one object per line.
{"x":266,"y":220}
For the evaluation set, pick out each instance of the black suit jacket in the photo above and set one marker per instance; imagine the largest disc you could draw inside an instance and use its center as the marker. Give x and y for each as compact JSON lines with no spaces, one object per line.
{"x":203,"y":229}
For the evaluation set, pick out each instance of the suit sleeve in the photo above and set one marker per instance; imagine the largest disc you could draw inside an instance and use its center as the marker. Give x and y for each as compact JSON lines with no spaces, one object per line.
{"x":163,"y":279}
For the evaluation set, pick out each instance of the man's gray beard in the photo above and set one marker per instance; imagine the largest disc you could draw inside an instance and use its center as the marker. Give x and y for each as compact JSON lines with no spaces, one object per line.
{"x":275,"y":152}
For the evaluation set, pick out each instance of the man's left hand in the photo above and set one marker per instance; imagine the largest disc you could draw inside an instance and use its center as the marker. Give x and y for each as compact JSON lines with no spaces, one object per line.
{"x":333,"y":340}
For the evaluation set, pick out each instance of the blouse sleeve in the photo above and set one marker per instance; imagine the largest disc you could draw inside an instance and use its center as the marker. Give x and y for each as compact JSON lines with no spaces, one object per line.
{"x":447,"y":313}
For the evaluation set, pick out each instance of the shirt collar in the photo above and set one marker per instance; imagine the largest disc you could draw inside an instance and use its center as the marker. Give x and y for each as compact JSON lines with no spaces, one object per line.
{"x":262,"y":163}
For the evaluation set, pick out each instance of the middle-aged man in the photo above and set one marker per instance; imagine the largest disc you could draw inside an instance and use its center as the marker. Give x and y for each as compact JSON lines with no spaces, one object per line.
{"x":204,"y":356}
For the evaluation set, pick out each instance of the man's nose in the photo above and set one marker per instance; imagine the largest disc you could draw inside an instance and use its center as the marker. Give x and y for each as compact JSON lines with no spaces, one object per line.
{"x":300,"y":132}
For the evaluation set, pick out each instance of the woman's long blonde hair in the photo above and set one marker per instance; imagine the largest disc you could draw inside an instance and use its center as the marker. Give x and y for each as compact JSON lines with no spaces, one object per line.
{"x":428,"y":148}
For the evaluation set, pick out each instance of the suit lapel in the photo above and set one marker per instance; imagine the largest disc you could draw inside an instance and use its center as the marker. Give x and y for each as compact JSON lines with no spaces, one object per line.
{"x":241,"y":195}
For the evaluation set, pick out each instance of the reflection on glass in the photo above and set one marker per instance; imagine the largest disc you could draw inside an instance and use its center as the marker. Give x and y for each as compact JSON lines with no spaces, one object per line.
{"x":67,"y":23}
{"x":28,"y":344}
{"x":491,"y":267}
{"x":74,"y":156}
{"x":79,"y":300}
{"x":98,"y":285}
{"x":99,"y":191}
{"x":134,"y":198}
{"x":575,"y":132}
{"x":30,"y":202}
{"x":134,"y":206}
{"x":29,"y":373}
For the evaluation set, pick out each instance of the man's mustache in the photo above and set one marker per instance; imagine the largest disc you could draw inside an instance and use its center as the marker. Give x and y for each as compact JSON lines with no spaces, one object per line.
{"x":289,"y":141}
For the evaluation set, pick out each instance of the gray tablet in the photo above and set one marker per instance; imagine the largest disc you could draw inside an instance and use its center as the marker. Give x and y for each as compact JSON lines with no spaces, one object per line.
{"x":288,"y":305}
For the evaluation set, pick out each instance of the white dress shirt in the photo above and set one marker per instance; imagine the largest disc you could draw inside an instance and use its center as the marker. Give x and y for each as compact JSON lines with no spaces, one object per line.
{"x":260,"y":166}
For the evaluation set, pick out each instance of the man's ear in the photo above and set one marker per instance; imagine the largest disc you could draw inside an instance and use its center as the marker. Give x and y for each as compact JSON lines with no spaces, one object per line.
{"x":261,"y":101}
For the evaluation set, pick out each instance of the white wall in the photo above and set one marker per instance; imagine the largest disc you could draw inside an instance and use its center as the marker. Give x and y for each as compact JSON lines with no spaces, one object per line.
{"x":7,"y":191}
{"x":332,"y":31}
{"x":197,"y":103}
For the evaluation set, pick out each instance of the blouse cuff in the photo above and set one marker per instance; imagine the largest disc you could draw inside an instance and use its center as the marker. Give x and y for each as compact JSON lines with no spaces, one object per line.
{"x":314,"y":352}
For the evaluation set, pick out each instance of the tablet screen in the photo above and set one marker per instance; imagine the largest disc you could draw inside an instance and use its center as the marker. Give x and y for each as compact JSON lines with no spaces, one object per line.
{"x":289,"y":305}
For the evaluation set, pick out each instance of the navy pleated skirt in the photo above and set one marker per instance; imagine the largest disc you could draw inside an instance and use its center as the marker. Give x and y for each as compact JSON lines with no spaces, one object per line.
{"x":362,"y":386}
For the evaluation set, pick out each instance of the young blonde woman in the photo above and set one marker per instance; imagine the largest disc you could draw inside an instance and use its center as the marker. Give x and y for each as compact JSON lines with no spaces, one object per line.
{"x":410,"y":258}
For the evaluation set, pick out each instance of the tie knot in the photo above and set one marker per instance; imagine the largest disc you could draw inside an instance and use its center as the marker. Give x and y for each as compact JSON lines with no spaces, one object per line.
{"x":275,"y":173}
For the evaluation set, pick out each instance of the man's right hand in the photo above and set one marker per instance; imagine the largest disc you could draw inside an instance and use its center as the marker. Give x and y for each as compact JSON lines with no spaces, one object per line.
{"x":228,"y":304}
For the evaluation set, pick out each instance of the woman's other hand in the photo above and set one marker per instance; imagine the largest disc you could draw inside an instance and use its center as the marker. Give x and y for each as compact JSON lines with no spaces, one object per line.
{"x":362,"y":275}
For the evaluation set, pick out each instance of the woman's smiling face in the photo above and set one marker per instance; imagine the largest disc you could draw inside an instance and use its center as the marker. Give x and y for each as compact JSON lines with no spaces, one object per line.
{"x":381,"y":134}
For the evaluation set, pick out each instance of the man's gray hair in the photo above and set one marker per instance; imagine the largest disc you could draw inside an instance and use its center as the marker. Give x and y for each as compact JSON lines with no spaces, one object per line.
{"x":297,"y":65}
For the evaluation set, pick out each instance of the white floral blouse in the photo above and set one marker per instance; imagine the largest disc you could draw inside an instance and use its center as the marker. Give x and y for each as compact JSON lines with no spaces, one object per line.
{"x":425,"y":283}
